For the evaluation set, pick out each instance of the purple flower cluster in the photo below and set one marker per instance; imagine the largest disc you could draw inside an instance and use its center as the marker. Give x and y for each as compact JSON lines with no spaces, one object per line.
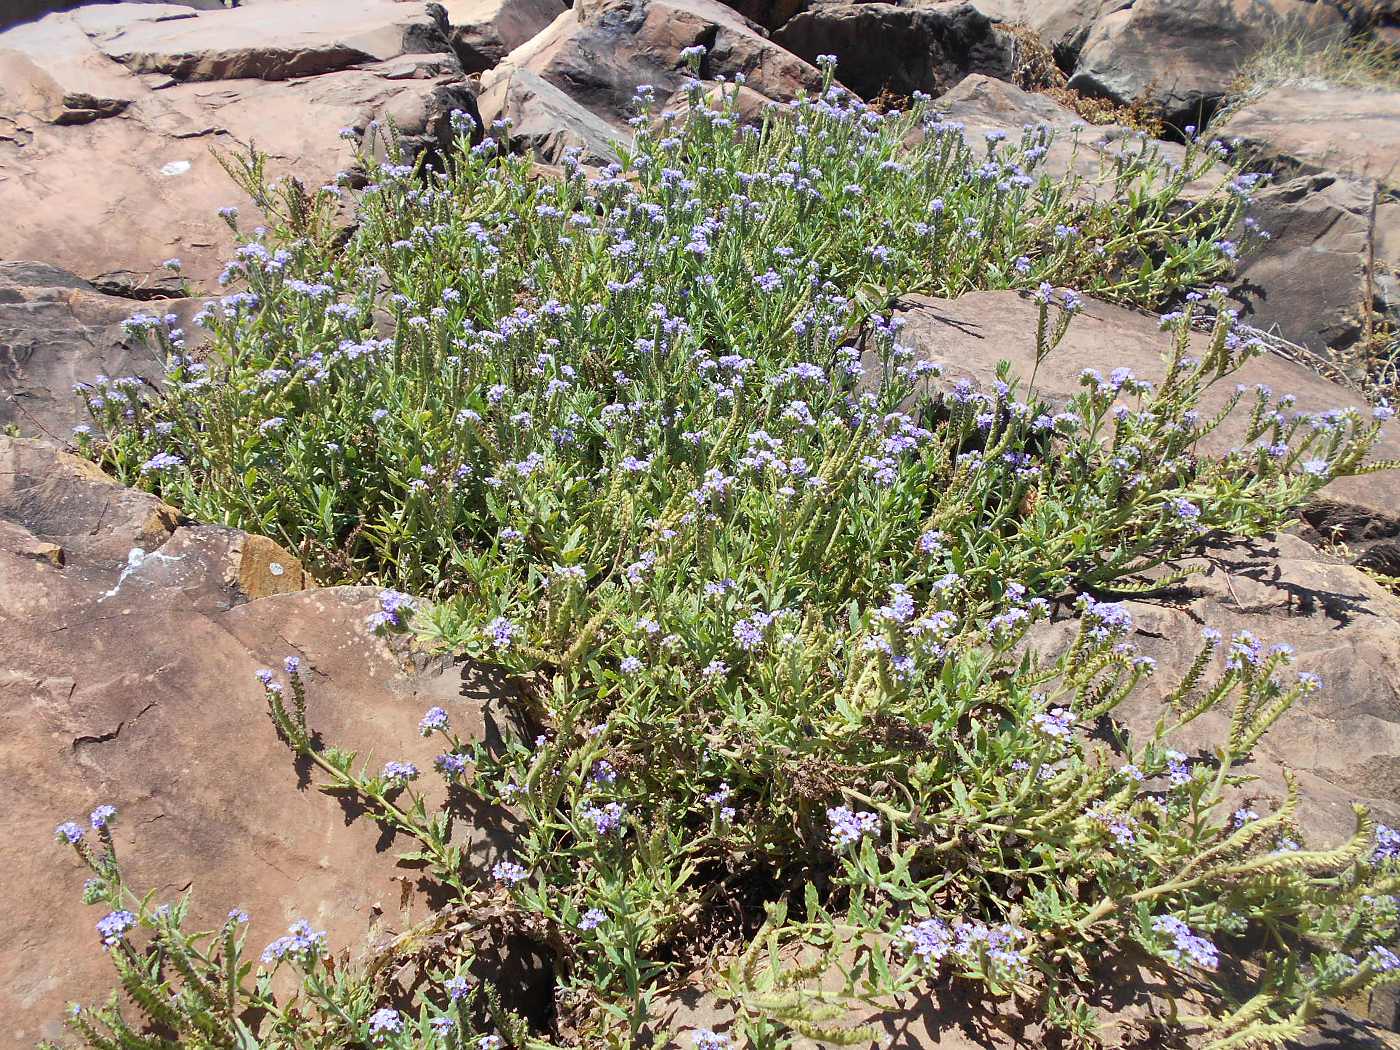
{"x":1187,"y":947}
{"x":848,"y":826}
{"x":112,"y":927}
{"x":300,"y":943}
{"x":392,"y":606}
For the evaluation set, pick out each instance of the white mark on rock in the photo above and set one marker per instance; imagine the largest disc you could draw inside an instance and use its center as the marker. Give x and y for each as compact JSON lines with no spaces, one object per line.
{"x":275,"y":568}
{"x":175,"y":167}
{"x":136,"y":558}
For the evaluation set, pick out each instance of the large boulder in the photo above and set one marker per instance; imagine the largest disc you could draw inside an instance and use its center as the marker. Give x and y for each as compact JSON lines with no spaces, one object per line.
{"x":1328,"y":274}
{"x":1181,"y":56}
{"x":17,"y":11}
{"x":1089,"y":152}
{"x":482,"y":32}
{"x":128,"y":680}
{"x":1062,"y":25}
{"x":113,"y":118}
{"x":1326,"y":266}
{"x":901,"y":48}
{"x":600,"y":51}
{"x":1314,"y":128}
{"x":545,"y":120}
{"x":57,"y":330}
{"x":969,"y":335}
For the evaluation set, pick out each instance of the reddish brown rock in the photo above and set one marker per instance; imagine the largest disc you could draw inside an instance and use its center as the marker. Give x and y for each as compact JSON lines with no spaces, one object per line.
{"x":130,"y":682}
{"x":901,"y":48}
{"x":1181,"y":56}
{"x":970,"y":334}
{"x":601,"y":50}
{"x":1314,"y":129}
{"x":57,"y":330}
{"x":482,"y":32}
{"x":107,"y":138}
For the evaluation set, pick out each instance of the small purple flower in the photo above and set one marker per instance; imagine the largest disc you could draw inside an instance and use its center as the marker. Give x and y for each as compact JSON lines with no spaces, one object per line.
{"x":709,"y":1039}
{"x":113,"y":926}
{"x":292,"y":664}
{"x":434,"y":721}
{"x":1056,"y":723}
{"x":605,"y":819}
{"x":399,"y":773}
{"x":102,"y":816}
{"x":384,"y":1022}
{"x":1387,"y":844}
{"x":592,"y":919}
{"x":69,"y":832}
{"x":509,"y":872}
{"x":301,"y":943}
{"x":1384,"y":960}
{"x":161,"y":461}
{"x":629,"y":665}
{"x":450,"y":765}
{"x":928,"y":941}
{"x":457,"y":988}
{"x":1186,"y":946}
{"x":264,"y":676}
{"x":502,"y":633}
{"x":849,"y":826}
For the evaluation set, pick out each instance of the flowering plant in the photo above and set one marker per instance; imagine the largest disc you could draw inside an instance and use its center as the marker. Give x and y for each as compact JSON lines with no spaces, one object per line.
{"x":647,"y":440}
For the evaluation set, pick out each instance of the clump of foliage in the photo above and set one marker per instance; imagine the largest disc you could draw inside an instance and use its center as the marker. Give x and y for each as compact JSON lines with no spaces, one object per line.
{"x":651,"y":442}
{"x":356,"y":402}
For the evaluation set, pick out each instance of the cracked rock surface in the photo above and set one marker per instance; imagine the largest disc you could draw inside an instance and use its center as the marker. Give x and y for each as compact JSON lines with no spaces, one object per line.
{"x":129,"y":679}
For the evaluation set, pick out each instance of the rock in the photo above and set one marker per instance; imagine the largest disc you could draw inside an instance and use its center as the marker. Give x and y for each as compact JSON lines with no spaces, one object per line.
{"x":601,"y":50}
{"x":1311,"y":280}
{"x":1315,"y":129}
{"x":1343,"y":742}
{"x":970,"y":334}
{"x":277,"y":41}
{"x":1182,"y":55}
{"x":17,"y":11}
{"x":57,"y":330}
{"x":130,"y":682}
{"x":157,"y":121}
{"x":543,"y":119}
{"x":899,"y":48}
{"x":1062,"y":25}
{"x":482,"y":32}
{"x":1088,"y":151}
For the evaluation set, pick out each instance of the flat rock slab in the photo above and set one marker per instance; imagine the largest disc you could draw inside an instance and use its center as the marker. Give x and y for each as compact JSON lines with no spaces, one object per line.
{"x":901,"y":48}
{"x":1315,"y":129}
{"x":1087,"y":151}
{"x":969,"y":335}
{"x":114,"y":115}
{"x":599,"y":51}
{"x":57,"y":330}
{"x":136,"y":688}
{"x":1181,"y":56}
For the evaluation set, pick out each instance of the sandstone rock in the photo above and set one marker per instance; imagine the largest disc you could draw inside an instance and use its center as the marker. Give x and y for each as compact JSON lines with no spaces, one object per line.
{"x":544,"y":119}
{"x":600,"y":51}
{"x":971,"y":333}
{"x":131,"y":683}
{"x":57,"y":330}
{"x":277,"y":41}
{"x":17,"y":11}
{"x":1317,"y":129}
{"x":1312,"y":280}
{"x":1087,"y":151}
{"x":482,"y":32}
{"x":1342,"y":741}
{"x":1062,"y":25}
{"x":150,"y":137}
{"x":1181,"y":55}
{"x":900,"y":48}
